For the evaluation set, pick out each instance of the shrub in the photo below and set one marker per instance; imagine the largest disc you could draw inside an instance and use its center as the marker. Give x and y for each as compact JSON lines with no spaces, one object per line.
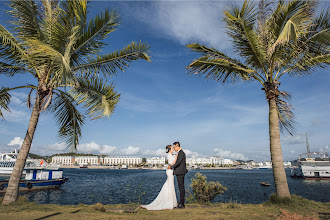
{"x":204,"y":191}
{"x":99,"y":207}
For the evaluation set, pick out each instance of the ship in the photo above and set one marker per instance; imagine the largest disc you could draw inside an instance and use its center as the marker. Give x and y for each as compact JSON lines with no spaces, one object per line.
{"x":8,"y":160}
{"x":312,"y":165}
{"x":37,"y":179}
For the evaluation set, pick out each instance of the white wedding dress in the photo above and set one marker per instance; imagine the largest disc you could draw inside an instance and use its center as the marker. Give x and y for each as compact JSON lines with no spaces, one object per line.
{"x":166,"y":198}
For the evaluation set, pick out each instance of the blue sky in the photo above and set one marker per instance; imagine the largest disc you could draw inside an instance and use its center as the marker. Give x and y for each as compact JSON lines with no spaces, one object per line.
{"x":160,"y":103}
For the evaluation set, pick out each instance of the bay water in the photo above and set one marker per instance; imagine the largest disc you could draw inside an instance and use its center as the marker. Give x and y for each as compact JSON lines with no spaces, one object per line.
{"x":113,"y":186}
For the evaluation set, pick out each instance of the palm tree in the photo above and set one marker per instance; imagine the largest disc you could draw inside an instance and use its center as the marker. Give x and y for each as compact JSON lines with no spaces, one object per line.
{"x":55,"y":43}
{"x":272,"y":42}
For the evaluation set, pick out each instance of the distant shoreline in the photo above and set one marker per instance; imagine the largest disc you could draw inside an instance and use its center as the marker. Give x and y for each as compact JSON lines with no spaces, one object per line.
{"x":143,"y":168}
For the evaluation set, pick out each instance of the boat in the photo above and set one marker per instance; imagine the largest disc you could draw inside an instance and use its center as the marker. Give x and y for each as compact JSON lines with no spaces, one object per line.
{"x":38,"y":179}
{"x":312,"y":165}
{"x":8,"y":160}
{"x":84,"y":166}
{"x":264,"y":184}
{"x":265,"y":167}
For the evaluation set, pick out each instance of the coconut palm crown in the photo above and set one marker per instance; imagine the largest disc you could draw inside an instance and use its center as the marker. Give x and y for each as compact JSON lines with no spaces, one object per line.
{"x":271,"y":41}
{"x":55,"y":43}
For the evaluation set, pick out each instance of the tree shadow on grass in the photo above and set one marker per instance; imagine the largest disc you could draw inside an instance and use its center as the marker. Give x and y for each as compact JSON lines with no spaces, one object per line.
{"x":48,"y":216}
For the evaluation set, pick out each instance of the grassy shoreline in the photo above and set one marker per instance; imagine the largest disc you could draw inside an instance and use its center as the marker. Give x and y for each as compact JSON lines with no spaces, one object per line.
{"x":296,"y":208}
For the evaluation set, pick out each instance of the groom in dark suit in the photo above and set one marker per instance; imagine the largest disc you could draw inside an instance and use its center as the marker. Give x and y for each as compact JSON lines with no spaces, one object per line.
{"x":180,"y":170}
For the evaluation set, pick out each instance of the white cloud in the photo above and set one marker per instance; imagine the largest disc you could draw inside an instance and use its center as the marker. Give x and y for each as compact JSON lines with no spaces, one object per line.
{"x":18,"y":98}
{"x":16,"y":141}
{"x":49,"y":149}
{"x":187,"y":21}
{"x":192,"y":154}
{"x":130,"y":151}
{"x":325,"y":149}
{"x":92,"y":148}
{"x":16,"y":115}
{"x":156,"y":153}
{"x":109,"y":150}
{"x":296,"y":139}
{"x":228,"y":154}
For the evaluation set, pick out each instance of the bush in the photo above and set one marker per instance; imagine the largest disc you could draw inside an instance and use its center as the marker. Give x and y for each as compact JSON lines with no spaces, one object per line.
{"x":99,"y":207}
{"x":204,"y":191}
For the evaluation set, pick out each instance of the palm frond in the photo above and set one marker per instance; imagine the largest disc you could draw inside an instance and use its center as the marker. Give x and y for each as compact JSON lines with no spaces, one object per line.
{"x":42,"y":55}
{"x":53,"y":30}
{"x":240,"y":27}
{"x":97,"y":30}
{"x":318,"y":37}
{"x":96,"y":96}
{"x":290,"y":21}
{"x":109,"y":64}
{"x":11,"y":70}
{"x":10,"y":48}
{"x":68,"y":118}
{"x":26,"y":18}
{"x":285,"y":114}
{"x":218,"y":66}
{"x":4,"y":100}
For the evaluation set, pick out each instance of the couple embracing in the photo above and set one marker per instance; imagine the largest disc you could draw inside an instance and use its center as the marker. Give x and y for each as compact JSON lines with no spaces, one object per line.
{"x":166,"y":198}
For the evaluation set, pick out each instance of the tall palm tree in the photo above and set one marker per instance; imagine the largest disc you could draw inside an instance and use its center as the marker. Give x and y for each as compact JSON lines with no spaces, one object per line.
{"x":271,"y":42}
{"x":55,"y":43}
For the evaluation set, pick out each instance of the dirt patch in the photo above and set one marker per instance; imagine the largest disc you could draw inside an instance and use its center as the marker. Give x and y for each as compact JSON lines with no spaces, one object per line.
{"x":284,"y":215}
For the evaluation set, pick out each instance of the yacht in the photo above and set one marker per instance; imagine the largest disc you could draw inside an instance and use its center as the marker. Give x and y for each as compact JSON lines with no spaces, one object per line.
{"x":312,"y":165}
{"x":7,"y":162}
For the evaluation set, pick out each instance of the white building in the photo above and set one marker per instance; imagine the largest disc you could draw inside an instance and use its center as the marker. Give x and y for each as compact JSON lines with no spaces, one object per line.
{"x":156,"y":161}
{"x":226,"y":162}
{"x":122,"y":160}
{"x":191,"y":161}
{"x":89,"y":160}
{"x":287,"y":164}
{"x":209,"y":161}
{"x":63,"y":160}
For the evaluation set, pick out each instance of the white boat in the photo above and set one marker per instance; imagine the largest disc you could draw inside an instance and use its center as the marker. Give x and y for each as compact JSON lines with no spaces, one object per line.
{"x":7,"y":162}
{"x":312,"y":165}
{"x":38,"y":179}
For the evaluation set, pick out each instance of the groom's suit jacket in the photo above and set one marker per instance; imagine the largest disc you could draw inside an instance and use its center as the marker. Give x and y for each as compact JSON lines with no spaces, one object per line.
{"x":180,"y":164}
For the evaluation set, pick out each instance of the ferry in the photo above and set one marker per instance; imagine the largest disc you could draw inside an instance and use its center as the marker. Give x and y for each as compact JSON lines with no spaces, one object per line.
{"x":312,"y":165}
{"x":37,"y":179}
{"x":7,"y":162}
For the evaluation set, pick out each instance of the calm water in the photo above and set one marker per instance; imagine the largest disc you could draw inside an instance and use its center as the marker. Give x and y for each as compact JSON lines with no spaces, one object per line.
{"x":90,"y":186}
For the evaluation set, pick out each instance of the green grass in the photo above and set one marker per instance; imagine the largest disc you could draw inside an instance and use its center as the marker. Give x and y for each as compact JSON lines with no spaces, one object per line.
{"x":297,"y":206}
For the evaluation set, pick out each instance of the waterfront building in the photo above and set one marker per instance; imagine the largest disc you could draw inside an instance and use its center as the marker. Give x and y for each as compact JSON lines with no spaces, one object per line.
{"x":116,"y":160}
{"x":156,"y":161}
{"x":287,"y":164}
{"x":89,"y":160}
{"x":226,"y":162}
{"x":63,"y":160}
{"x":216,"y":161}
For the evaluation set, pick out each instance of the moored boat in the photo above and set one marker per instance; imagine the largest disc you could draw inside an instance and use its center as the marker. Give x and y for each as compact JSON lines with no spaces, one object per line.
{"x":38,"y":179}
{"x":265,"y":184}
{"x":8,"y":160}
{"x":312,"y":165}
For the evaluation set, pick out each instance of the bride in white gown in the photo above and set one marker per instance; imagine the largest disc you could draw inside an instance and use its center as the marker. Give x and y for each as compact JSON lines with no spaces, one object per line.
{"x":166,"y":198}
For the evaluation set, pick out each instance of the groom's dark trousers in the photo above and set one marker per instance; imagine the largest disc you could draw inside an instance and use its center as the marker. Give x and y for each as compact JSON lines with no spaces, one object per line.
{"x":180,"y":170}
{"x":180,"y":179}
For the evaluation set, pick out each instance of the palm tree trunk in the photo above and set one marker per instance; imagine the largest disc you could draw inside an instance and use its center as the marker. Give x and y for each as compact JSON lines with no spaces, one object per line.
{"x":13,"y":185}
{"x":280,"y":179}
